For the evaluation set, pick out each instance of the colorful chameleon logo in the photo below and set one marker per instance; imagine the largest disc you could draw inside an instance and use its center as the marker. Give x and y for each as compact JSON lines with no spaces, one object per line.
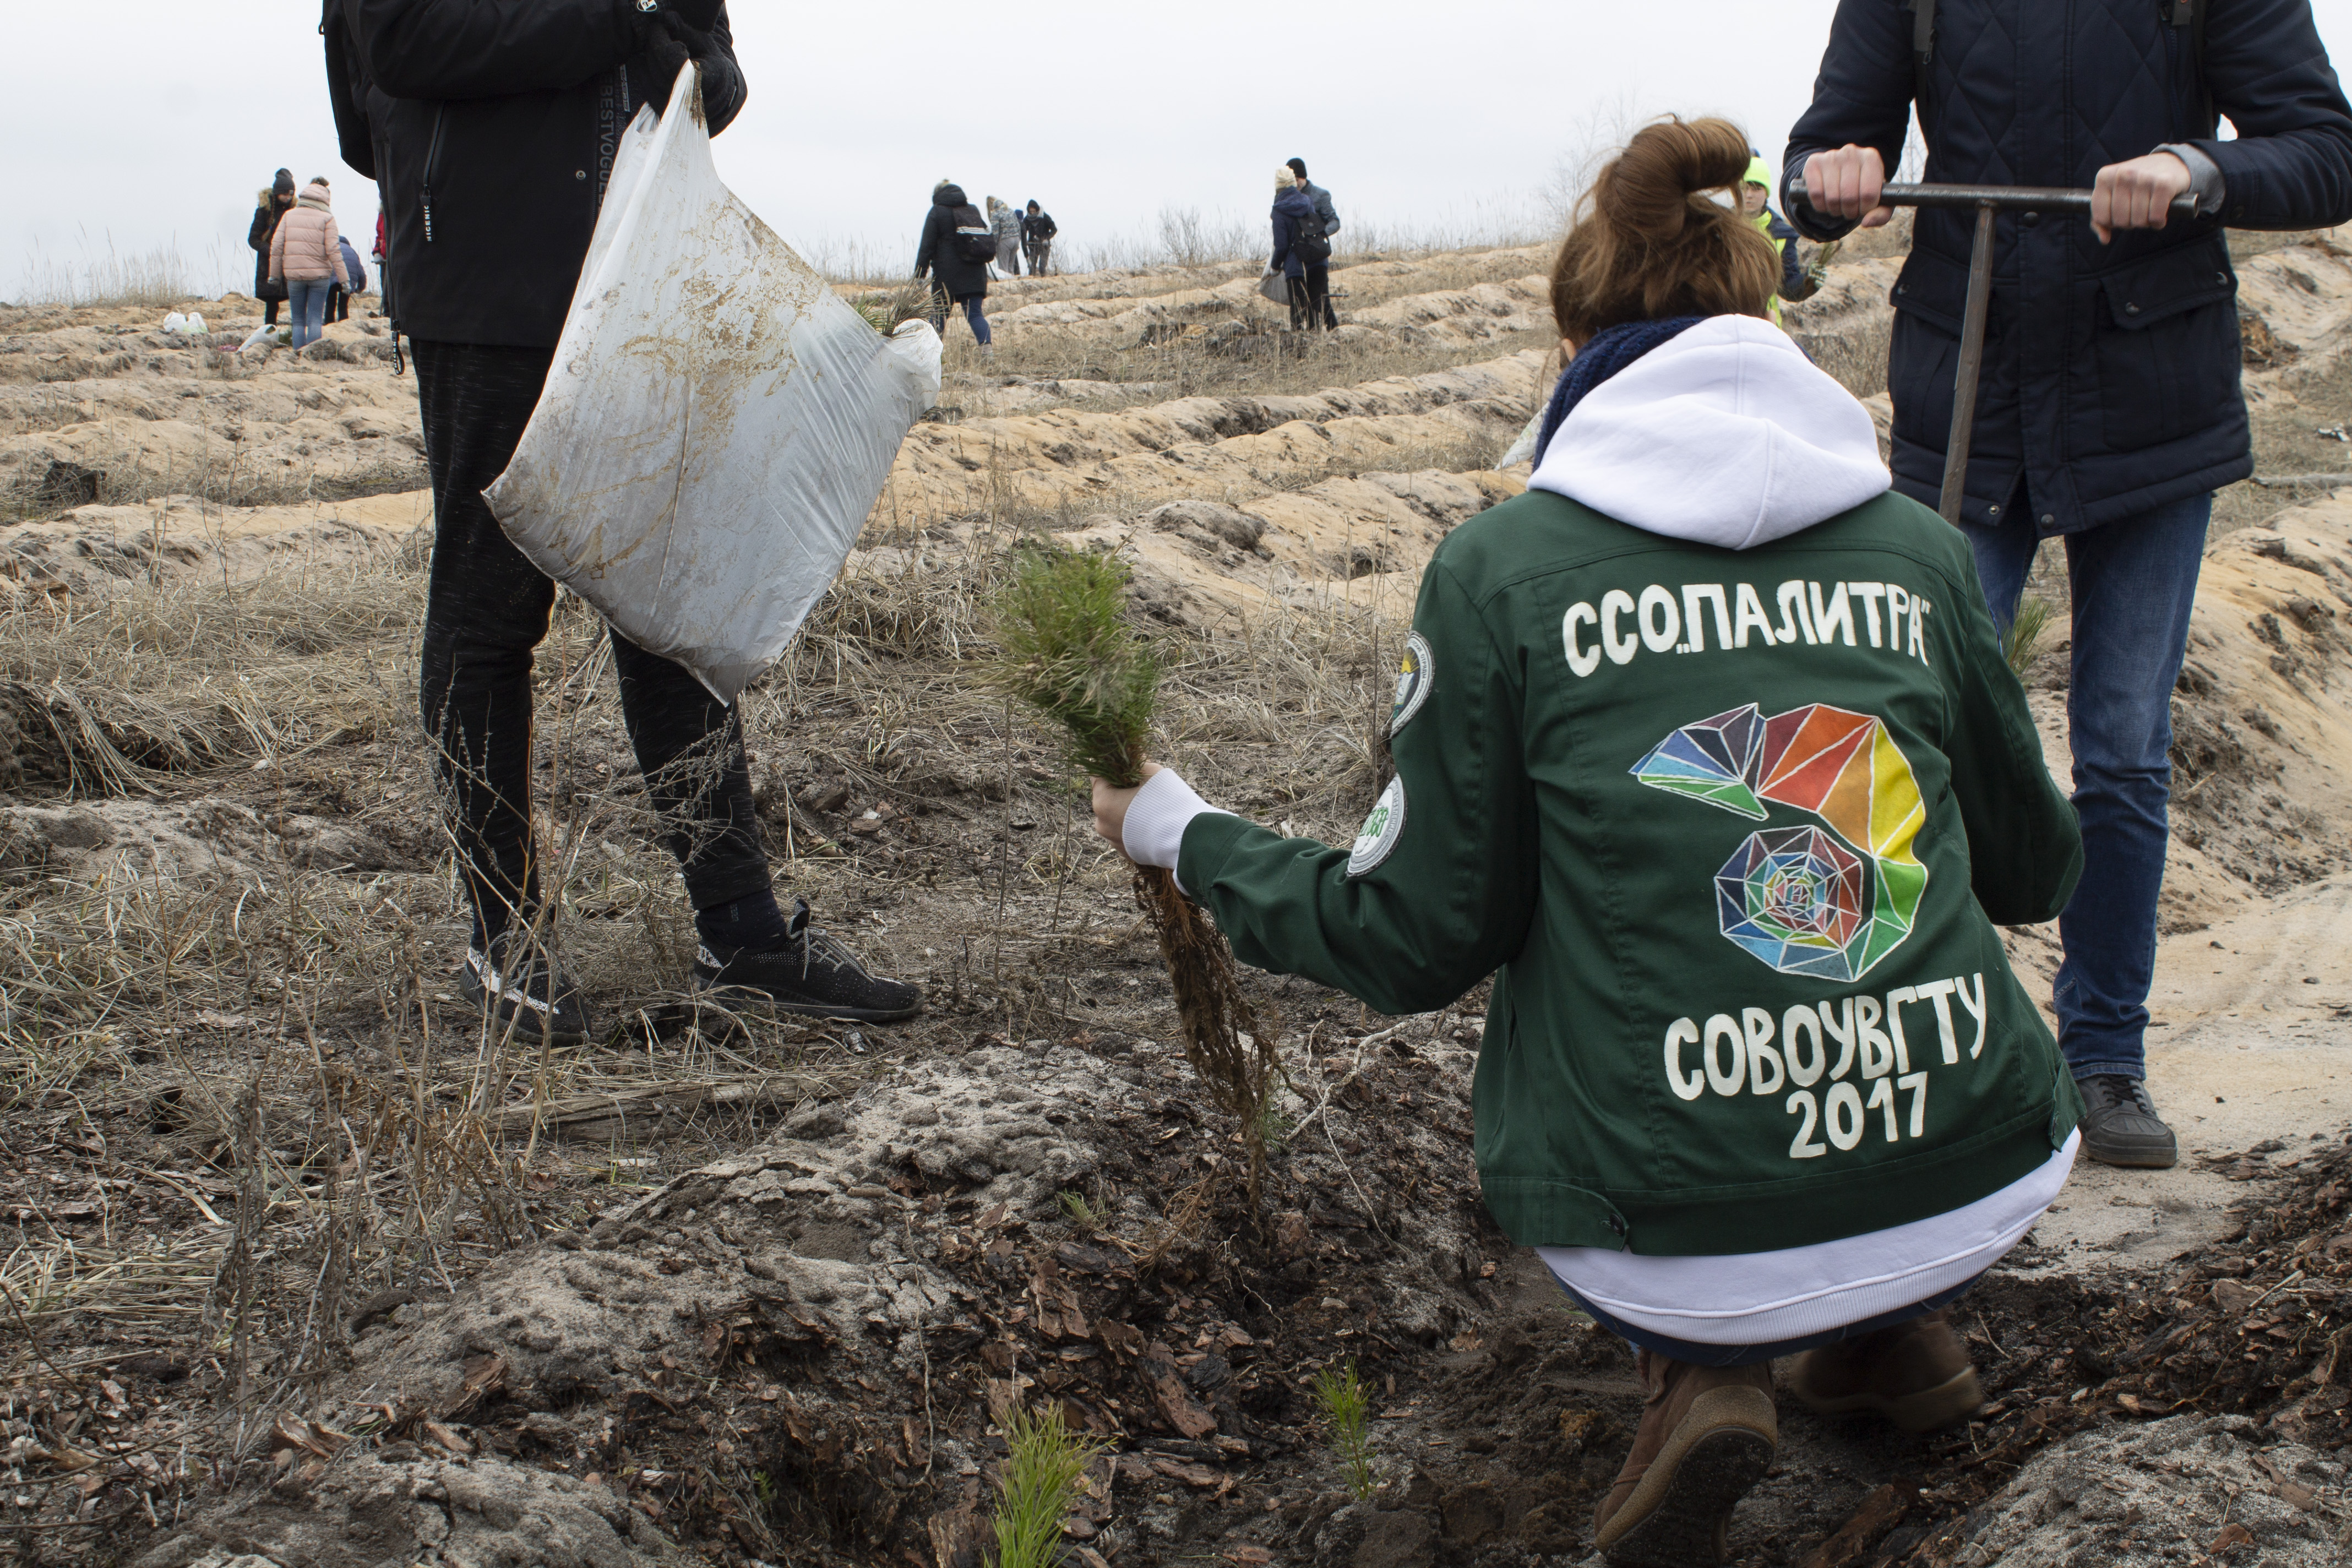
{"x":1804,"y":901}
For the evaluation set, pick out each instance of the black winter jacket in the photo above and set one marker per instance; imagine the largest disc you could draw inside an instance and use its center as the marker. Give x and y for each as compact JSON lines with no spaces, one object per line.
{"x":266,"y":210}
{"x":935,"y":254}
{"x":2111,"y":371}
{"x":1293,"y":218}
{"x":505,"y":114}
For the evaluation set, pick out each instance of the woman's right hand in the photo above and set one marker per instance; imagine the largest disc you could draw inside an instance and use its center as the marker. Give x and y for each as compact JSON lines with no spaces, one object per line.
{"x":1110,"y":807}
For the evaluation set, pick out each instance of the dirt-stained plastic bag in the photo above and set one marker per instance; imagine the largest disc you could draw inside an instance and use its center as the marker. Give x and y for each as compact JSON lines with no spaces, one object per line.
{"x":717,"y":424}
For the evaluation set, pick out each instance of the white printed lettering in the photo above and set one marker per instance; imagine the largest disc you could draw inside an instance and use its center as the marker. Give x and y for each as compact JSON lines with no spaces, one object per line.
{"x":1803,"y":1072}
{"x":1837,"y":616}
{"x":1868,"y":593}
{"x":1803,"y":1146}
{"x":1724,"y":1080}
{"x":1751,"y":614}
{"x":1976,"y":1006}
{"x":1693,"y":593}
{"x":1841,"y":1030}
{"x":1614,"y":603}
{"x":1895,"y":1000}
{"x":1939,"y":991}
{"x":1758,"y":1024}
{"x":1878,"y":1049}
{"x":1882,"y":1098}
{"x":1918,"y":648}
{"x":1793,"y":618}
{"x":1917,"y":1084}
{"x":1583,"y":663}
{"x":1680,"y":1033}
{"x":1844,"y":1131}
{"x":1898,"y":611}
{"x":1659,"y":636}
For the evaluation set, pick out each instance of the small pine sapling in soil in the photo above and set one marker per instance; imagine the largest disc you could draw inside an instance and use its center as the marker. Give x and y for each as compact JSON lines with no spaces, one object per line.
{"x":1043,"y":1463}
{"x":1346,"y":1403}
{"x":1069,"y":652}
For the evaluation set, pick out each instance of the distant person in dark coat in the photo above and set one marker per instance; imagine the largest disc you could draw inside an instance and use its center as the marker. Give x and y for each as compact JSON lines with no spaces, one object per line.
{"x":955,"y":276}
{"x":2109,"y":409}
{"x":270,"y":204}
{"x":339,"y":298}
{"x":1037,"y":232}
{"x":1297,"y":237}
{"x":1329,"y":215}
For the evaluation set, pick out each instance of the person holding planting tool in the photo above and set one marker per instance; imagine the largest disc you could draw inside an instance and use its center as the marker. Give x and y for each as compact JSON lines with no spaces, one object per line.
{"x":1707,"y":744}
{"x":2108,"y":408}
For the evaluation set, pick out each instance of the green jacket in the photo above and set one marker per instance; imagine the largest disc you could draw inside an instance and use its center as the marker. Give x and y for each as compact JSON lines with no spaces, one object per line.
{"x":1736,"y":827}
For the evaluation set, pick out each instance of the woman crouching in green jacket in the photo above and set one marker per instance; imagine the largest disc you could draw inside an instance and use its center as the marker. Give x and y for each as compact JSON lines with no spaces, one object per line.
{"x":1706,"y":743}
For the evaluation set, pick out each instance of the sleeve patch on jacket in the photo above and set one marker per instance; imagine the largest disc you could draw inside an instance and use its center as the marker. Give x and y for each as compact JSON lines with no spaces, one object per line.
{"x":1415,"y":674}
{"x":1381,"y":831}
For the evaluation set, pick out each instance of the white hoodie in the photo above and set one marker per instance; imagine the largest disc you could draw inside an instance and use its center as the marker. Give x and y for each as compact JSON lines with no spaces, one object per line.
{"x":1726,"y":434}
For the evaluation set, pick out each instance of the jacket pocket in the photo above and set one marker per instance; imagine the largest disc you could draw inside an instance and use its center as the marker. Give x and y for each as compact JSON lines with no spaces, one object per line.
{"x":2164,"y":339}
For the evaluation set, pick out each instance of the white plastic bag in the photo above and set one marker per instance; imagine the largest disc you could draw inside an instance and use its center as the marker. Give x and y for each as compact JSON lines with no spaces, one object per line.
{"x":718,"y":421}
{"x":1274,"y":286}
{"x":176,"y":323}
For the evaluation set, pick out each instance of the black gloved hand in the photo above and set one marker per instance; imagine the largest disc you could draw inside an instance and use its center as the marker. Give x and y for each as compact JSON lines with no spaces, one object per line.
{"x":669,"y":43}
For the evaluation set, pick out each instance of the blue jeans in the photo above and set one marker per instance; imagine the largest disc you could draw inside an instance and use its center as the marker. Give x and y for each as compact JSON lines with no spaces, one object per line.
{"x":306,"y":301}
{"x":2133,"y":584}
{"x":1696,"y":1354}
{"x":971,"y":304}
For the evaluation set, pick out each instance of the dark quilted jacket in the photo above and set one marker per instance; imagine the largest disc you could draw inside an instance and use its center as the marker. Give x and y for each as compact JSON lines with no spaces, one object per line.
{"x":2111,"y":372}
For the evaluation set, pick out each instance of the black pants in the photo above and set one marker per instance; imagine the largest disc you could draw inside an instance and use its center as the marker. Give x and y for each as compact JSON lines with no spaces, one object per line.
{"x":269,"y":313}
{"x":487,"y":609}
{"x":339,"y":304}
{"x":1310,"y":297}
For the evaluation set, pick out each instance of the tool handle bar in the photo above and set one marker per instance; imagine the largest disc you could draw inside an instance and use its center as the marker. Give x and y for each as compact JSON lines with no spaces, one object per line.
{"x":2003,"y":198}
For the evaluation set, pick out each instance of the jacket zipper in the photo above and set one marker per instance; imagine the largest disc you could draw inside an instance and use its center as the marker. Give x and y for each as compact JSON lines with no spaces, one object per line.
{"x":432,"y":162}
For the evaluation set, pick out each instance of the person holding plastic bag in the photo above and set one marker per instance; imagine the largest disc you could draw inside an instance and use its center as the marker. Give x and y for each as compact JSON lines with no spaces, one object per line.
{"x":488,"y":128}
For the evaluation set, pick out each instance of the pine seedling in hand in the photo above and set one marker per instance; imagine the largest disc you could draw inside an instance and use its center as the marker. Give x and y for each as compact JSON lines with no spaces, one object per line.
{"x":1069,"y":653}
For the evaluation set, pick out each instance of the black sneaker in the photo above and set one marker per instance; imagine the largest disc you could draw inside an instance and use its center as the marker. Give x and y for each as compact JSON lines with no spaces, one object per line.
{"x":2120,"y":1126}
{"x":811,"y":974}
{"x":519,"y":980}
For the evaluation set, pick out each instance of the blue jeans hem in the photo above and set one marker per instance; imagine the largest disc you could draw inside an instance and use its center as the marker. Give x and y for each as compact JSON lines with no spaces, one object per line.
{"x":2130,"y":1069}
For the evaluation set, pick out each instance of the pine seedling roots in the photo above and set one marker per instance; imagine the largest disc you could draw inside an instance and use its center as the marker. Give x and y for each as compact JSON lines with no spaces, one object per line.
{"x":1070,"y":653}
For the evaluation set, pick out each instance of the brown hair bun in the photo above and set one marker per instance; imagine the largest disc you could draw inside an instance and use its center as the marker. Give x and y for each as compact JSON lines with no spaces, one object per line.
{"x":1650,"y":241}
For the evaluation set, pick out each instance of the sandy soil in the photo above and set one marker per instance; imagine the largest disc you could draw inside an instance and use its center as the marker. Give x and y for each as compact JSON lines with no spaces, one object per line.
{"x":307,"y":1270}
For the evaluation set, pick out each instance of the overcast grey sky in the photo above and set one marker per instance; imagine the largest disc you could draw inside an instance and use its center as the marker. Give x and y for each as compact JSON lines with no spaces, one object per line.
{"x":154,"y":124}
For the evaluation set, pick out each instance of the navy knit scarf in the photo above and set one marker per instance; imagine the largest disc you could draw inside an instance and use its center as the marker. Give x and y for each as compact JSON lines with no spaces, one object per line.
{"x":1603,"y":355}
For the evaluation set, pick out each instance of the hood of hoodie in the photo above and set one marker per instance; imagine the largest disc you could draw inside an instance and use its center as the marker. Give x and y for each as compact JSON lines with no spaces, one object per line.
{"x":1295,"y":202}
{"x":316,"y":195}
{"x":1725,"y":434}
{"x":949,"y":197}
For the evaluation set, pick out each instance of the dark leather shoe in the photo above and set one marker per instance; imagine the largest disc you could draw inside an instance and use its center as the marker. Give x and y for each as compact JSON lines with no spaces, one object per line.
{"x":2120,"y":1126}
{"x":1707,"y":1435}
{"x":1915,"y":1373}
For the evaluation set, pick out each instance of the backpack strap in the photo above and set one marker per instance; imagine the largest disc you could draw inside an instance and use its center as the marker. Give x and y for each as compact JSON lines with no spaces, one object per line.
{"x":1923,"y":50}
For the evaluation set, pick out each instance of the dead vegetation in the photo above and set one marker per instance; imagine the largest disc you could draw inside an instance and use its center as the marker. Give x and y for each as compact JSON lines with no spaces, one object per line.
{"x":293,"y":1235}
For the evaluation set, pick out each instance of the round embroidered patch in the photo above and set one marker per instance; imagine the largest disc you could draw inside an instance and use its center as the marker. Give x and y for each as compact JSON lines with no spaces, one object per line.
{"x":1381,"y":831}
{"x":1415,"y":674}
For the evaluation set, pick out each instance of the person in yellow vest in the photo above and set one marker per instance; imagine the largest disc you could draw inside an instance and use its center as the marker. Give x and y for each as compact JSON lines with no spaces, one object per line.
{"x":1796,"y":281}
